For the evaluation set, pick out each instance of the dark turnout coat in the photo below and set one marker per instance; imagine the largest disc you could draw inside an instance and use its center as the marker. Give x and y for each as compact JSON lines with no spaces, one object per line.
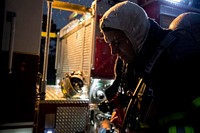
{"x":174,"y":79}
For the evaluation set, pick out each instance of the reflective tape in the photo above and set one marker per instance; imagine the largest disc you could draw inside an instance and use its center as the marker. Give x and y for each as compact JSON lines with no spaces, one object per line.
{"x":186,"y":129}
{"x":172,"y":129}
{"x":172,"y":117}
{"x":196,"y":102}
{"x":189,"y":130}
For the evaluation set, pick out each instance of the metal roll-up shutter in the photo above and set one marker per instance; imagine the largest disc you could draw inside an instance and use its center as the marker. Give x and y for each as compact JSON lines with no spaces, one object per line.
{"x":73,"y":51}
{"x":77,"y":49}
{"x":87,"y":50}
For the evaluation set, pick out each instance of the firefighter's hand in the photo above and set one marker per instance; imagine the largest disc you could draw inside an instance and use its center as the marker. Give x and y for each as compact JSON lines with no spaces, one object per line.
{"x":104,"y":126}
{"x":114,"y":117}
{"x":115,"y":120}
{"x":117,"y":117}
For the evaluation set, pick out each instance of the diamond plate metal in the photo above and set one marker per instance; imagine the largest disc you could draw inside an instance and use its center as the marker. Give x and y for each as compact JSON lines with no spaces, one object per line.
{"x":71,"y":119}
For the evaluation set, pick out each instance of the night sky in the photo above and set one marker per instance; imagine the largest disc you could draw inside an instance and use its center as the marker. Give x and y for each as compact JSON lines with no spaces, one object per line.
{"x":60,"y":17}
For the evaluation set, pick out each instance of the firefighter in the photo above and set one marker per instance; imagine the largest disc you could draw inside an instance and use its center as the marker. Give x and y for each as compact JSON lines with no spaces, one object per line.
{"x":168,"y":60}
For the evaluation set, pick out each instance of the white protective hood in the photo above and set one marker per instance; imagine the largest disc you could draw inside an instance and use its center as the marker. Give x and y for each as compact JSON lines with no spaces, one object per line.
{"x":131,"y":19}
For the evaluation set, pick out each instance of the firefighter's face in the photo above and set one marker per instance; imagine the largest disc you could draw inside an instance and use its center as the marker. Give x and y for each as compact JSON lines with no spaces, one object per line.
{"x":120,"y":45}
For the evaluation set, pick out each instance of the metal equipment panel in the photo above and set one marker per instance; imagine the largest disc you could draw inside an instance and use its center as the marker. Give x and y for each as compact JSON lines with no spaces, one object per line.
{"x":71,"y":119}
{"x":60,"y":115}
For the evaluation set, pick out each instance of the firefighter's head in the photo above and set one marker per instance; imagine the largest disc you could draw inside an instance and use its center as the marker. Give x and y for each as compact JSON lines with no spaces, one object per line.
{"x":125,"y":27}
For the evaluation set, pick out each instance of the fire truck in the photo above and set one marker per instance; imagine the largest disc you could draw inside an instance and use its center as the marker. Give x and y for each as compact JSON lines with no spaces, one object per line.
{"x":57,"y":113}
{"x":80,"y":47}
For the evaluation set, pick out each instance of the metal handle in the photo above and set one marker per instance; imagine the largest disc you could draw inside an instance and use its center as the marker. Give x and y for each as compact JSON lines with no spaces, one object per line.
{"x":46,"y":50}
{"x":12,"y":16}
